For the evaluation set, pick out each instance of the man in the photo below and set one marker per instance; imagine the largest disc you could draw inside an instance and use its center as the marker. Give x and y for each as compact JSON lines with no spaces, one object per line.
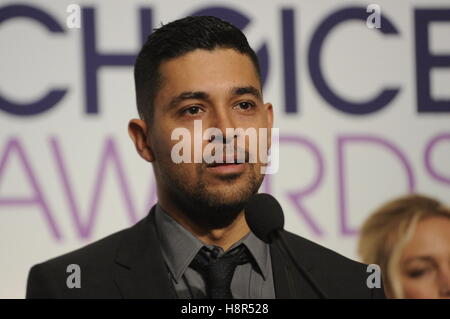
{"x":195,"y":242}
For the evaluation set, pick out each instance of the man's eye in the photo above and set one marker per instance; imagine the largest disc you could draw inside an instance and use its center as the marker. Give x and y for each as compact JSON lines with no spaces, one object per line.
{"x":193,"y":110}
{"x":245,"y":105}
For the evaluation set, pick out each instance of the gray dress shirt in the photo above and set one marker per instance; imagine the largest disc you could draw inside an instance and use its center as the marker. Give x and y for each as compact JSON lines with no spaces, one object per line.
{"x":179,"y":248}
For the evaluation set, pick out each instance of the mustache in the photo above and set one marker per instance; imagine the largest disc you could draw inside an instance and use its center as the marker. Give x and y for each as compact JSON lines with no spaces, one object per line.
{"x":238,"y":155}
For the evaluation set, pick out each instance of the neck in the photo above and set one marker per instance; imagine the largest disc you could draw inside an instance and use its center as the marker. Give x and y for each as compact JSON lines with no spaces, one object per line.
{"x":223,"y":237}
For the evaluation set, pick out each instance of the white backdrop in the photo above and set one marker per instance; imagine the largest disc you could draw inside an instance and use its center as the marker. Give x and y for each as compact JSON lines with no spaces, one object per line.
{"x":69,"y":175}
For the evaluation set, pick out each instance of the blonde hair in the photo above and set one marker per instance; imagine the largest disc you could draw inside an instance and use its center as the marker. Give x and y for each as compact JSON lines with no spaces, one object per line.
{"x":388,"y":230}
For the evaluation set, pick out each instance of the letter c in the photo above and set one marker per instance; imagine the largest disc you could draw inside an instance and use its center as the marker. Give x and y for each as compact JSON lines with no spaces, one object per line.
{"x":52,"y":97}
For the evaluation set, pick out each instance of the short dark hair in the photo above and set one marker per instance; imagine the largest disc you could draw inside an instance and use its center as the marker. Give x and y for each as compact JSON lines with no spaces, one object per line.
{"x":176,"y":39}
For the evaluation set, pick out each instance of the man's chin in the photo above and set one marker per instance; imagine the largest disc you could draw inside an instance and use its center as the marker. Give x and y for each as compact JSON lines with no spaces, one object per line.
{"x":214,"y":200}
{"x":226,"y":198}
{"x":231,"y":189}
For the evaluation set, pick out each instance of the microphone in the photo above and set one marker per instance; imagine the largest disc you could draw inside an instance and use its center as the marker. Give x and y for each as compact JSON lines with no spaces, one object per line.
{"x":265,"y":218}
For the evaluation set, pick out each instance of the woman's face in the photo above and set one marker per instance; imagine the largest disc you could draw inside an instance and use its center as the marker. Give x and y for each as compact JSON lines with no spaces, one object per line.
{"x":425,"y":263}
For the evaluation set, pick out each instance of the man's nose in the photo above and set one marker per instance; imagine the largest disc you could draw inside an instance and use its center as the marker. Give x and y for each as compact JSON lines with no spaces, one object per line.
{"x":223,"y":120}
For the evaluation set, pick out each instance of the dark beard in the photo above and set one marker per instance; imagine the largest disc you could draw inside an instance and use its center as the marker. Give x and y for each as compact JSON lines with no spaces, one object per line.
{"x":211,"y":211}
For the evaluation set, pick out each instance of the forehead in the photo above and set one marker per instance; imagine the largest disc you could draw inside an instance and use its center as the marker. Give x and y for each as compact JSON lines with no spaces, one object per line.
{"x":431,"y":237}
{"x":208,"y":70}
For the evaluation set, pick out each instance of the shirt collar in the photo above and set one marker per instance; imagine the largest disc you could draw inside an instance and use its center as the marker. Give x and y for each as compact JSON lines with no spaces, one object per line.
{"x":179,"y":246}
{"x":259,"y":251}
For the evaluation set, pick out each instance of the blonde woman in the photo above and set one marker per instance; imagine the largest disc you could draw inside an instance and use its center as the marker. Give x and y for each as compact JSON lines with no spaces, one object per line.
{"x":409,"y":238}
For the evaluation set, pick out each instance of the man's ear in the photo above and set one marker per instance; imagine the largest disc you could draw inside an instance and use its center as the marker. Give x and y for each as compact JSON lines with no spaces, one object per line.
{"x":137,"y":129}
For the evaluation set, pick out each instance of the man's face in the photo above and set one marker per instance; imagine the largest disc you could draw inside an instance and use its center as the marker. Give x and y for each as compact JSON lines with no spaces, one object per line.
{"x":221,"y":88}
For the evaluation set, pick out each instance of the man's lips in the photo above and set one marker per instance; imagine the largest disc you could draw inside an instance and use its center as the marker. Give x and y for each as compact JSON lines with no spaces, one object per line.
{"x":236,"y":161}
{"x":223,"y":164}
{"x":235,"y":167}
{"x":226,"y":168}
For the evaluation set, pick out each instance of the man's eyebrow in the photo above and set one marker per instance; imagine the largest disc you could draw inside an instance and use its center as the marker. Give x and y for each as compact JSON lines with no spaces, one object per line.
{"x":198,"y":95}
{"x":246,"y":90}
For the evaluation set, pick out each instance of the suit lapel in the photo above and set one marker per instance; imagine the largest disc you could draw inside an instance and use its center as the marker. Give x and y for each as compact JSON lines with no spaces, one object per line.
{"x":288,"y":281}
{"x":140,"y":269}
{"x":280,"y":275}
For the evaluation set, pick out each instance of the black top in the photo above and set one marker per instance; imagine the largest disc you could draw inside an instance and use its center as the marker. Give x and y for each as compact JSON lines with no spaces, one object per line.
{"x":251,"y":280}
{"x":129,"y":264}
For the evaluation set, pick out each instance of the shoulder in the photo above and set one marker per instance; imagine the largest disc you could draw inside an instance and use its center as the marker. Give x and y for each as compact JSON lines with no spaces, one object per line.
{"x":95,"y":262}
{"x":316,"y":253}
{"x":95,"y":253}
{"x":342,"y":276}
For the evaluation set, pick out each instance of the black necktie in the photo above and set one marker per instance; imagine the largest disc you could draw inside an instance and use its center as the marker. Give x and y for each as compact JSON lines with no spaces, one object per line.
{"x":218,"y":272}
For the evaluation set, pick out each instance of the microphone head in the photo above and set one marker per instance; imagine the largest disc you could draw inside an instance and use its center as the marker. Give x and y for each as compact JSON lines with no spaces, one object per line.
{"x":264,"y":216}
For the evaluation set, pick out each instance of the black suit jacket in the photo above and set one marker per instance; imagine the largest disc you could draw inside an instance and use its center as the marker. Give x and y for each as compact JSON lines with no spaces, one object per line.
{"x":129,"y":264}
